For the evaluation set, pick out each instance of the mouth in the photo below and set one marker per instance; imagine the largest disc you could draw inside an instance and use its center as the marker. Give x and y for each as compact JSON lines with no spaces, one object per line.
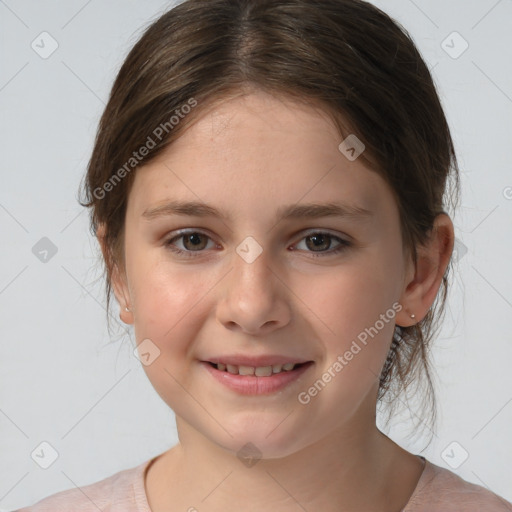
{"x":263,"y":379}
{"x":258,"y":371}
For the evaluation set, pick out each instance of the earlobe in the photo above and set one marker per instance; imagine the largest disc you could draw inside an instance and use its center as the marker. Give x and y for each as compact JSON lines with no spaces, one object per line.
{"x":122,"y":296}
{"x":117,"y":281}
{"x":424,"y":282}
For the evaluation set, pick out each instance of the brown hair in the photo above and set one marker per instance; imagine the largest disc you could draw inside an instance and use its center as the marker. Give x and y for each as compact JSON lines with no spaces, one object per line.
{"x":346,"y":57}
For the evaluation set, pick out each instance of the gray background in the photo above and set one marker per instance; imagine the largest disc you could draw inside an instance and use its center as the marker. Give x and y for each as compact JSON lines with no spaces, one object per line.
{"x":64,"y":381}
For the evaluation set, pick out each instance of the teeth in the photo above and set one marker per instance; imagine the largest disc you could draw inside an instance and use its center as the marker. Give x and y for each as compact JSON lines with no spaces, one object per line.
{"x":232,"y":369}
{"x":246,"y":370}
{"x":260,"y":371}
{"x":263,"y":371}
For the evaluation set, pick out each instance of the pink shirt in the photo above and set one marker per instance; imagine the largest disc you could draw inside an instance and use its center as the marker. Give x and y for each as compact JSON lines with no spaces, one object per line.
{"x":438,"y":490}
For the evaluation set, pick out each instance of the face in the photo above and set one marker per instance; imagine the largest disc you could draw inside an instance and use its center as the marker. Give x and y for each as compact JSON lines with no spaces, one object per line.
{"x":322,"y":290}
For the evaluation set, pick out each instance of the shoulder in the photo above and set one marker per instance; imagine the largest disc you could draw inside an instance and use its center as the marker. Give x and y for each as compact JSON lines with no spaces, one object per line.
{"x":441,"y":490}
{"x":120,"y":492}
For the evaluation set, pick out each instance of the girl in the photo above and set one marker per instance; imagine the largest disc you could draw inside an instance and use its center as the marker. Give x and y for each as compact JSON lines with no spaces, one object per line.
{"x":267,"y":187}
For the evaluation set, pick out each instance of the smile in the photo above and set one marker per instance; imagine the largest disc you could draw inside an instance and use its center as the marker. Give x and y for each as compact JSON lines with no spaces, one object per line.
{"x":260,"y":371}
{"x":256,"y":380}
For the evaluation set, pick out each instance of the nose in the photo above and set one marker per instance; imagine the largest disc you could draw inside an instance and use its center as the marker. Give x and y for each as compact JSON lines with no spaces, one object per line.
{"x":254,"y":297}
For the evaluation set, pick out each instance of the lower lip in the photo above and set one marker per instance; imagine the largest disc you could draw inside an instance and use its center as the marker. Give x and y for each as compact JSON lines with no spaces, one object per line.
{"x":252,"y":385}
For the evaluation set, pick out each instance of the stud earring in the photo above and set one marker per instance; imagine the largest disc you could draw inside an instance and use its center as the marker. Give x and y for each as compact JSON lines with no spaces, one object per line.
{"x":413,"y":316}
{"x":127,"y":309}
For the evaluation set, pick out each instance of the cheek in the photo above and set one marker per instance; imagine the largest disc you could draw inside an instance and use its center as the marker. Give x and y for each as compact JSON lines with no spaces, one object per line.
{"x":355,"y":324}
{"x":349,"y":299}
{"x":165,"y":293}
{"x":170,"y":309}
{"x":354,"y":313}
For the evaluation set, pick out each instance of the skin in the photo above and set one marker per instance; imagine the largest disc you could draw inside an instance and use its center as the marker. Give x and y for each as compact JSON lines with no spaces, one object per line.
{"x":249,"y":156}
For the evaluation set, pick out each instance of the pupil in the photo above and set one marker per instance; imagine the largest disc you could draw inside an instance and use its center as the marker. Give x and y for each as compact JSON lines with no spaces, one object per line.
{"x":194,"y":239}
{"x":318,"y":240}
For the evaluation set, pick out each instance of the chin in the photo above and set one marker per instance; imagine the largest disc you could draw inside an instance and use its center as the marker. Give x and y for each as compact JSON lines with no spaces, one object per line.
{"x":252,"y":442}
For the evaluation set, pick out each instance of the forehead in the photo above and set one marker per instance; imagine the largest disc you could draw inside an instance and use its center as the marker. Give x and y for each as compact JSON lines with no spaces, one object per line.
{"x":258,"y":151}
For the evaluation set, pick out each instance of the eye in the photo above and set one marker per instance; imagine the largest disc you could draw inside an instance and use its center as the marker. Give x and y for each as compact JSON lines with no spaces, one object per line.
{"x":191,"y":242}
{"x":196,"y":241}
{"x":319,"y":240}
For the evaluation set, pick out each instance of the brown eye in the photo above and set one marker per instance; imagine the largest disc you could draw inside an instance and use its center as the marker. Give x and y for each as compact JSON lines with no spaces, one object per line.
{"x":192,"y":241}
{"x":320,"y":243}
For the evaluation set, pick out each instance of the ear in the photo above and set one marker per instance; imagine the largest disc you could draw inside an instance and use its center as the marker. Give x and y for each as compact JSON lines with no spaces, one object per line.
{"x":117,"y":278}
{"x":424,"y":279}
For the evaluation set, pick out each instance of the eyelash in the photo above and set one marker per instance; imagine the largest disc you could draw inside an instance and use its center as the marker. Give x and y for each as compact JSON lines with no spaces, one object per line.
{"x":344,"y":244}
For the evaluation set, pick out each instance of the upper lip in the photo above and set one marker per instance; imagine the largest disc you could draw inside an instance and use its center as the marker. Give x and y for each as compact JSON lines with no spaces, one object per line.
{"x":255,"y":361}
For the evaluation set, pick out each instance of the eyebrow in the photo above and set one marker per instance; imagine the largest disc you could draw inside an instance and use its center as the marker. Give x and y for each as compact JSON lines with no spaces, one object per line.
{"x":294,"y":211}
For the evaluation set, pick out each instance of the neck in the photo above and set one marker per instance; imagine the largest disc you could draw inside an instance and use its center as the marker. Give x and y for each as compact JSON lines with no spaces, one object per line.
{"x":351,"y":469}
